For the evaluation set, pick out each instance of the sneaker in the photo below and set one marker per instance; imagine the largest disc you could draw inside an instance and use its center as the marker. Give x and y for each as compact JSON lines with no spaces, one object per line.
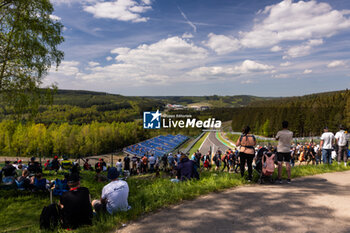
{"x":279,"y":181}
{"x":289,"y":181}
{"x":249,"y":180}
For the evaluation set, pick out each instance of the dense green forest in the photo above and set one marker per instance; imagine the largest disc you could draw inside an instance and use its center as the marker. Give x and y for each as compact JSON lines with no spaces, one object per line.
{"x":307,"y":115}
{"x":17,"y":139}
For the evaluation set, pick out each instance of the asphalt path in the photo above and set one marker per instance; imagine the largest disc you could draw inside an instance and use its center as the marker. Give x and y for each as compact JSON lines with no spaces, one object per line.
{"x":312,"y":204}
{"x":212,"y":142}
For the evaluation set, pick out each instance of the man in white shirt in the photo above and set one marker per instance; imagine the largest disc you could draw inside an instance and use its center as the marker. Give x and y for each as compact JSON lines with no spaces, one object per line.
{"x":152,"y":161}
{"x":327,"y":140}
{"x":285,"y":138}
{"x":114,"y":195}
{"x":342,"y":143}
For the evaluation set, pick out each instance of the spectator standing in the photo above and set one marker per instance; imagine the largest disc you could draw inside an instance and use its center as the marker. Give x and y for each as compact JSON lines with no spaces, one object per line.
{"x":152,"y":161}
{"x":171,"y":161}
{"x":285,"y":138}
{"x":119,"y":166}
{"x":326,"y":145}
{"x":247,"y":142}
{"x":127,"y":163}
{"x":341,"y":141}
{"x":144,"y":164}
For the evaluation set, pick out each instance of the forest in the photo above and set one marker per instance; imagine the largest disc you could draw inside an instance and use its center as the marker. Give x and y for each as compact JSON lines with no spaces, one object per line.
{"x":307,"y":115}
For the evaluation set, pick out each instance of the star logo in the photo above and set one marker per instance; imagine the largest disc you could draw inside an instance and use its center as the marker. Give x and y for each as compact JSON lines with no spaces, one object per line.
{"x":156,"y":115}
{"x":151,"y":120}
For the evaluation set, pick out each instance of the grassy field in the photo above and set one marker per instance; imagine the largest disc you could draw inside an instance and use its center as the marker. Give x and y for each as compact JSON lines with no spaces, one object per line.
{"x":20,"y":211}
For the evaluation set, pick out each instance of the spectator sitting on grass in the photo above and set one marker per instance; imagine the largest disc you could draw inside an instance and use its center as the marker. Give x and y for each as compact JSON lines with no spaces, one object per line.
{"x":8,"y":173}
{"x":99,"y":177}
{"x":39,"y":182}
{"x":24,"y":180}
{"x":186,"y":169}
{"x":114,"y":195}
{"x":34,"y":167}
{"x":75,"y":204}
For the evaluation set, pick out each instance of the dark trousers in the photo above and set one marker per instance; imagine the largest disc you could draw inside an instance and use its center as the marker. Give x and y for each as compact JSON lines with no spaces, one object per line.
{"x":249,"y":159}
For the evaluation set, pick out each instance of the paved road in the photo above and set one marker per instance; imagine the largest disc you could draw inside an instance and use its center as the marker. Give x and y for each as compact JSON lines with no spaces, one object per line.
{"x":312,"y":204}
{"x":213,"y":142}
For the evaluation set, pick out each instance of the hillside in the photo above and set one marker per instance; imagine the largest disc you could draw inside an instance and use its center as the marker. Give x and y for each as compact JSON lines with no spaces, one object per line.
{"x":307,"y":114}
{"x":78,"y":107}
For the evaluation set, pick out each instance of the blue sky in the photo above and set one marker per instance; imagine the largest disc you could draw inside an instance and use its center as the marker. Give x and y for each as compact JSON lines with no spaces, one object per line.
{"x":204,"y":47}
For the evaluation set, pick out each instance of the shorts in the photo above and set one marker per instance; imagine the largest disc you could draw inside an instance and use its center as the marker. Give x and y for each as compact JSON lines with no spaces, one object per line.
{"x":283,"y":157}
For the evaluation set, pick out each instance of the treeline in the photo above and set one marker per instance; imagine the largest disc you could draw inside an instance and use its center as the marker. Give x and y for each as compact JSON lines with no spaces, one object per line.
{"x":307,"y":115}
{"x":17,"y":139}
{"x":31,"y":139}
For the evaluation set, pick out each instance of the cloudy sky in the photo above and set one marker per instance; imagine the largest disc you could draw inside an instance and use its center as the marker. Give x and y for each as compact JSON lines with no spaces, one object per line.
{"x":204,"y":47}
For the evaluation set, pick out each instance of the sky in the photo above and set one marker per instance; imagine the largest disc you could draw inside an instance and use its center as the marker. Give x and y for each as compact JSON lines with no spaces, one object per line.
{"x":203,"y":47}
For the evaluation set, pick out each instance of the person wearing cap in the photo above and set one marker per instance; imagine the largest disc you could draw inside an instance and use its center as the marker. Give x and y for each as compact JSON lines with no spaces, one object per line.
{"x":76,"y":204}
{"x":341,"y":141}
{"x":55,"y":164}
{"x":114,"y":196}
{"x":326,"y":144}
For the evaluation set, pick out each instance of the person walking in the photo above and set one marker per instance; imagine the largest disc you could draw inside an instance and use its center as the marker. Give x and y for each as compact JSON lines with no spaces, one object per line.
{"x":247,"y":143}
{"x":285,"y":138}
{"x":341,"y":141}
{"x":327,"y":140}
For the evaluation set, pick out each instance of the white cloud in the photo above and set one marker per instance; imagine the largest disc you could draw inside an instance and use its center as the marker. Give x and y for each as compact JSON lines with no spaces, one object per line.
{"x":55,"y":17}
{"x":304,"y":49}
{"x":247,"y":81}
{"x":67,"y":68}
{"x":123,"y":10}
{"x":336,"y":63}
{"x":158,"y":63}
{"x":278,"y":76}
{"x":70,"y":2}
{"x":248,"y":66}
{"x":173,"y":50}
{"x":222,"y":44}
{"x":120,"y":50}
{"x":307,"y":71}
{"x":109,"y":58}
{"x":187,"y":35}
{"x":93,"y":64}
{"x":289,"y":21}
{"x":187,"y":20}
{"x":276,"y":48}
{"x":286,"y":64}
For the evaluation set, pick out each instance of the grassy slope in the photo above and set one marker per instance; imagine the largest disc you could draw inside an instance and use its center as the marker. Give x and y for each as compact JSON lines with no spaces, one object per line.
{"x":19,"y":211}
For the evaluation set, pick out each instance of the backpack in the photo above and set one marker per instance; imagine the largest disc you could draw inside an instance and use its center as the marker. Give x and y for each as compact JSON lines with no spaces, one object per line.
{"x":50,"y":217}
{"x":269,"y":165}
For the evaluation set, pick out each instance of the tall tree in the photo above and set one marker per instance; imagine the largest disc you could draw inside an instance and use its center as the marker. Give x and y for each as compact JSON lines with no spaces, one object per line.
{"x":29,"y":37}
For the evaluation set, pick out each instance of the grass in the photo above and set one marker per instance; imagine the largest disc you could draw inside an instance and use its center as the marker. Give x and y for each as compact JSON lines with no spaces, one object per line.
{"x":20,"y":211}
{"x":198,"y":144}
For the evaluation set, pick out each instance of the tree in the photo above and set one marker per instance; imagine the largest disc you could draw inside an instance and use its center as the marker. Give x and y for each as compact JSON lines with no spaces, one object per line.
{"x":28,"y":47}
